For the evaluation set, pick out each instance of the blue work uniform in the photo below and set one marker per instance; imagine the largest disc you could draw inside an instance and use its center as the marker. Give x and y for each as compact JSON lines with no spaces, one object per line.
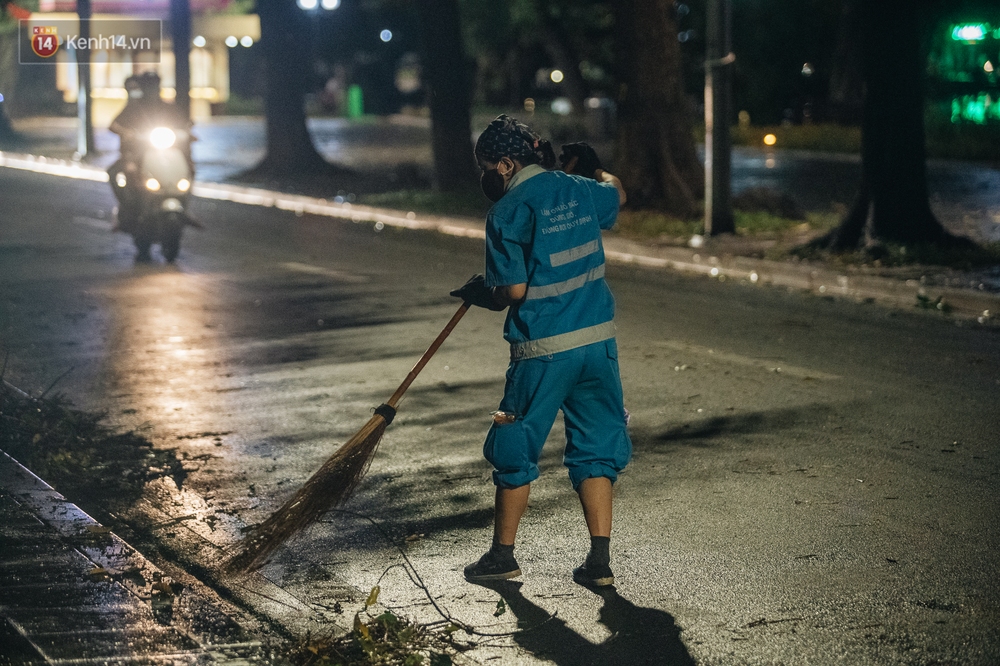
{"x":546,"y":232}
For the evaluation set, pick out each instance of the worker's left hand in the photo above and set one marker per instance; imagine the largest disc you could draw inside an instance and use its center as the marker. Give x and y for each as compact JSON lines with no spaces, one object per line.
{"x":475,"y":292}
{"x":580,"y":158}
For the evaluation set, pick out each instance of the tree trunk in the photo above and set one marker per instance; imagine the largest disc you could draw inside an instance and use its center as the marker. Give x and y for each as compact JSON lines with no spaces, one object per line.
{"x":284,"y":41}
{"x":447,"y":77}
{"x":893,"y":203}
{"x":560,"y":48}
{"x":655,"y":153}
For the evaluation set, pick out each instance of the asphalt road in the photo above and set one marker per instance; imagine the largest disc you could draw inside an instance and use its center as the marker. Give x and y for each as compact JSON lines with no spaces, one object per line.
{"x":814,"y":481}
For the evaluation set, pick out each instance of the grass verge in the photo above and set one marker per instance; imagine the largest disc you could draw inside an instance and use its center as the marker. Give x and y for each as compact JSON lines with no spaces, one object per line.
{"x":761,"y":225}
{"x":896,"y":255}
{"x":468,"y":203}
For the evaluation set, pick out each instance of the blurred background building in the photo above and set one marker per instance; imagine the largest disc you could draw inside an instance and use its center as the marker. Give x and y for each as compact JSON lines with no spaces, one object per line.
{"x":220,"y":53}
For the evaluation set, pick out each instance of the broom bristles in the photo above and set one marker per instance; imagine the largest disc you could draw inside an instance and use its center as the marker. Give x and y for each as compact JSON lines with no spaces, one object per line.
{"x":329,"y":486}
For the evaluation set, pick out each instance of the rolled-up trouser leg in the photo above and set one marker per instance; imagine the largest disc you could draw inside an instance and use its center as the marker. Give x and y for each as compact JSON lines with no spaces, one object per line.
{"x":597,"y":441}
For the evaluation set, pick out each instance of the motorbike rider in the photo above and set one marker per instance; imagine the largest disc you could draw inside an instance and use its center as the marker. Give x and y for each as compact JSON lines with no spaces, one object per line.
{"x":144,"y":111}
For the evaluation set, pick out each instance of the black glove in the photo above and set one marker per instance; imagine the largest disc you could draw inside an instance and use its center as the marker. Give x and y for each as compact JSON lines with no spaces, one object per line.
{"x":579,"y":158}
{"x":475,"y":292}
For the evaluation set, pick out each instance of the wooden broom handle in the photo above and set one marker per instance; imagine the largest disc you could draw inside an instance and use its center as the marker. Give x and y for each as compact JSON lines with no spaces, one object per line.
{"x":427,"y":355}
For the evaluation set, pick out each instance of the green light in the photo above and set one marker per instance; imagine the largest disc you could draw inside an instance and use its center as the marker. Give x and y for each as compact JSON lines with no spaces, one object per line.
{"x":969,"y":32}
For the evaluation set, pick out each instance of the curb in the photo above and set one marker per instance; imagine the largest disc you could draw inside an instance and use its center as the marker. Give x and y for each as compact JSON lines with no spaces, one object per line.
{"x":819,"y":280}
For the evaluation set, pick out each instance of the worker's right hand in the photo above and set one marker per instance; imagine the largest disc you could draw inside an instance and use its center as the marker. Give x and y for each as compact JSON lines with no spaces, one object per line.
{"x":475,"y":292}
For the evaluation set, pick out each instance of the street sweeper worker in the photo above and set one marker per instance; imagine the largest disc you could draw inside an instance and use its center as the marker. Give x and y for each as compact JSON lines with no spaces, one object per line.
{"x":545,"y":262}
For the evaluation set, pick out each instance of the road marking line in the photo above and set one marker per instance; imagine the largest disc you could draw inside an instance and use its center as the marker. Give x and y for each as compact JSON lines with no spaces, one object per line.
{"x":343,"y":276}
{"x":103,"y":225}
{"x":776,"y":367}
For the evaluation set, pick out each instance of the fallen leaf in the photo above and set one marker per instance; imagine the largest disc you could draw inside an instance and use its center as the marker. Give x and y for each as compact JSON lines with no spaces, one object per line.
{"x":98,"y":529}
{"x":360,"y":627}
{"x":501,"y":608}
{"x":98,"y":572}
{"x":414,"y":537}
{"x":372,"y":596}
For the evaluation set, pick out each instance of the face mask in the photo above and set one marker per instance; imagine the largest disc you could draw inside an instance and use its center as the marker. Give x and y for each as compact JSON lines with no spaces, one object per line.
{"x":492,"y":184}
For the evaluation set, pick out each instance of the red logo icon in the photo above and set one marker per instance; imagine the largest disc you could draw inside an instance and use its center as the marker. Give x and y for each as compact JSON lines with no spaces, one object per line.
{"x":44,"y":41}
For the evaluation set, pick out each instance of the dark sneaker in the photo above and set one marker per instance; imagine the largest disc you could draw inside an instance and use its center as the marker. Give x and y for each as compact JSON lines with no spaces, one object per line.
{"x":493,"y":566}
{"x":594,"y":575}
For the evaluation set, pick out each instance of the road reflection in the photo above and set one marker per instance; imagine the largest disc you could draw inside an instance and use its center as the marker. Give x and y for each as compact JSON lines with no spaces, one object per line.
{"x":164,"y":353}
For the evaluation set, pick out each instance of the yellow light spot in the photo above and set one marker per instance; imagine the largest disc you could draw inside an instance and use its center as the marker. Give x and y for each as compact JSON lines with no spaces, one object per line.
{"x":770,"y":139}
{"x":988,"y":66}
{"x":556,"y":76}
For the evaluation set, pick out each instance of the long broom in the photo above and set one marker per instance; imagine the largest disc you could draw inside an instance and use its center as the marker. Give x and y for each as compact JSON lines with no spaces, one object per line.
{"x":334,"y":481}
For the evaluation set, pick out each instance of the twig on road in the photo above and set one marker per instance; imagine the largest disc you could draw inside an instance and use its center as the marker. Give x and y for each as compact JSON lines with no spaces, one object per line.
{"x":416,"y":579}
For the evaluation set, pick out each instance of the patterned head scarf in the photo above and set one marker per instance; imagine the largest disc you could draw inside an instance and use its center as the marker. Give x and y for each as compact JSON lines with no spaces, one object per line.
{"x":506,"y":137}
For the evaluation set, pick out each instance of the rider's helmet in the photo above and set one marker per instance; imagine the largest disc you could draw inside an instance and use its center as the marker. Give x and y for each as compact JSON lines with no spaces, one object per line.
{"x":145,"y":85}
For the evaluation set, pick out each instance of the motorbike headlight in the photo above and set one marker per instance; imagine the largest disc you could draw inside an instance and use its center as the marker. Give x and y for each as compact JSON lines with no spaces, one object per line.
{"x":152,"y":185}
{"x":183,"y":184}
{"x":162,"y":138}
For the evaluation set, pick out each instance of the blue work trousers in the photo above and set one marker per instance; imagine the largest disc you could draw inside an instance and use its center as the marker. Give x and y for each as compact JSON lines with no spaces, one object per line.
{"x":585,"y":383}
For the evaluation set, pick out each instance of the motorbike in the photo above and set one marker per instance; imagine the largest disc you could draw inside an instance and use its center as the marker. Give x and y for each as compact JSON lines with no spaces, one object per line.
{"x":153,"y":192}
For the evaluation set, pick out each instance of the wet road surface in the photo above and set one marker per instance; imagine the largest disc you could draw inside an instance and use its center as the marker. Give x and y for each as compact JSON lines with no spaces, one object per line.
{"x":811,"y":477}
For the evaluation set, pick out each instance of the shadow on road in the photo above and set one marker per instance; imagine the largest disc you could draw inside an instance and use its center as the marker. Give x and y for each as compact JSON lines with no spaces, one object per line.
{"x":638,"y":635}
{"x":700,"y":433}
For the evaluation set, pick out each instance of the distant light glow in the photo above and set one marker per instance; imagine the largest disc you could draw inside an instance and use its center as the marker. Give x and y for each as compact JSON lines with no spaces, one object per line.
{"x":988,"y":67}
{"x":770,"y":139}
{"x":183,"y":184}
{"x":561,"y":106}
{"x":557,"y":76}
{"x":199,"y":41}
{"x":308,"y":4}
{"x":247,"y":41}
{"x":120,"y":179}
{"x":529,"y":105}
{"x":330,"y":4}
{"x":232,"y":42}
{"x":152,"y":185}
{"x":385,"y":35}
{"x":807,"y":69}
{"x":1,"y":97}
{"x":969,"y":32}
